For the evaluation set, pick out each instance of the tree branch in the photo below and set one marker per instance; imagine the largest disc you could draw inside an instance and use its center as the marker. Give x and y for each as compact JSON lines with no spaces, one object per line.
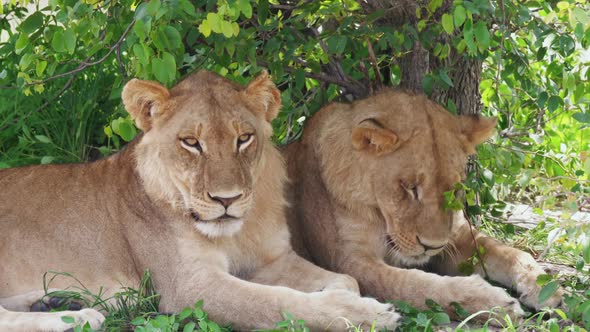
{"x":355,"y":88}
{"x":85,"y":64}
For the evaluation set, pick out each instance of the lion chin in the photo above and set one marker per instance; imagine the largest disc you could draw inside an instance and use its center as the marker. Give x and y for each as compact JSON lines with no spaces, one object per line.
{"x":218,"y":228}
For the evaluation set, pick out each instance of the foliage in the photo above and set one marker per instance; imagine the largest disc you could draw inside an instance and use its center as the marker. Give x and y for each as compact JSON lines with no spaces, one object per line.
{"x":63,"y":65}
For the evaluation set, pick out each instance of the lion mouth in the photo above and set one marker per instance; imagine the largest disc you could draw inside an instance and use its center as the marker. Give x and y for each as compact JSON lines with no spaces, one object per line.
{"x":224,"y":218}
{"x":390,"y":242}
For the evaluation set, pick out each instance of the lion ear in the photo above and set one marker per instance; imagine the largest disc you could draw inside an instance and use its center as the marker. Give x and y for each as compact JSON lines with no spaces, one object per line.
{"x":476,"y":129}
{"x":264,"y":96}
{"x":144,"y":101}
{"x":377,"y":141}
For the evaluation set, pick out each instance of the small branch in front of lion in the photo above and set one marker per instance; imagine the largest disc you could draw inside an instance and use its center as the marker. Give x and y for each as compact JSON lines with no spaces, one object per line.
{"x":476,"y":245}
{"x":373,"y":60}
{"x":366,"y":76}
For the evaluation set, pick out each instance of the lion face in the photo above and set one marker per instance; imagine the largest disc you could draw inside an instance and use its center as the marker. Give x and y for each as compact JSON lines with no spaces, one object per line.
{"x":409,"y":151}
{"x":203,"y":145}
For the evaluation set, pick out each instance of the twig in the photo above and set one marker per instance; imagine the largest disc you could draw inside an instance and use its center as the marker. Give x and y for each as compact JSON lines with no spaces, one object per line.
{"x":477,"y":253}
{"x":357,"y":89}
{"x":120,"y":62}
{"x":335,"y":65}
{"x":373,"y":60}
{"x":84,"y":64}
{"x":557,"y":161}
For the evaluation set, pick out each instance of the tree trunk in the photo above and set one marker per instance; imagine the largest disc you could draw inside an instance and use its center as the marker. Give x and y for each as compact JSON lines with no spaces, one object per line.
{"x":464,"y":72}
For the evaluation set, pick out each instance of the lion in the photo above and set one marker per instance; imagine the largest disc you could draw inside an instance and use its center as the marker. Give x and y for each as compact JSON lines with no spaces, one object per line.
{"x":195,"y":198}
{"x":367,"y":200}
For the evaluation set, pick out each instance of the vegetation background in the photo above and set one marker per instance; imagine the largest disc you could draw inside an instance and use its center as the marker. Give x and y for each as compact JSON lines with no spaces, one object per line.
{"x":63,"y":64}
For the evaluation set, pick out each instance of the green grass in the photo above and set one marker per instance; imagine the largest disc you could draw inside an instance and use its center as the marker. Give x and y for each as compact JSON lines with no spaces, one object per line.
{"x":137,"y":310}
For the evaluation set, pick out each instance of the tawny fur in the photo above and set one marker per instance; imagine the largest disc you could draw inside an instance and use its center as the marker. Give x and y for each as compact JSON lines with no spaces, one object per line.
{"x":157,"y":205}
{"x":367,"y":185}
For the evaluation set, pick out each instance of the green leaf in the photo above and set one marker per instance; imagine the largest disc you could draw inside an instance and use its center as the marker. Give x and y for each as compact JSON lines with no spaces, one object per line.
{"x":227,"y":29}
{"x":141,"y":11}
{"x":440,"y":318}
{"x":126,"y":131}
{"x":173,"y":37}
{"x":165,"y":68}
{"x":586,"y":254}
{"x":186,"y":312}
{"x":236,"y":28}
{"x":541,"y":53}
{"x":548,"y":290}
{"x":488,"y":177}
{"x":25,"y":61}
{"x":482,"y":34}
{"x":544,"y":279}
{"x":447,"y":23}
{"x":21,"y":43}
{"x":451,"y":106}
{"x":40,"y":68}
{"x":152,"y":7}
{"x":43,"y":138}
{"x":204,"y":28}
{"x":143,"y":27}
{"x":70,"y":40}
{"x":245,"y":8}
{"x":262,"y":11}
{"x":190,"y":327}
{"x":553,"y":103}
{"x":337,"y":44}
{"x":68,"y":319}
{"x":445,"y":78}
{"x":58,"y":42}
{"x":32,"y":23}
{"x":459,"y":16}
{"x":138,"y":321}
{"x":214,"y":22}
{"x":582,"y":117}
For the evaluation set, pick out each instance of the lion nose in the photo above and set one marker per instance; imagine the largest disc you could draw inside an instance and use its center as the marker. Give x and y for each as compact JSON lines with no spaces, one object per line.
{"x":431,"y":245}
{"x":225,"y":198}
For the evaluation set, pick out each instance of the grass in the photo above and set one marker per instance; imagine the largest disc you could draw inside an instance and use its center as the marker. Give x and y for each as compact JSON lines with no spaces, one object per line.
{"x":137,"y":310}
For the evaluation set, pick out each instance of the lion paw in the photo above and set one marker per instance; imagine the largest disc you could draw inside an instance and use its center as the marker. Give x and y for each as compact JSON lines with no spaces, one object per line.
{"x":350,"y":310}
{"x":530,"y":297}
{"x":48,"y":321}
{"x":90,"y":316}
{"x":475,"y":294}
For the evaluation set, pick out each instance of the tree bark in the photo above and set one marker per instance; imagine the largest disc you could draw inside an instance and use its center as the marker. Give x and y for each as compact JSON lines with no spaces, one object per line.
{"x":464,"y":72}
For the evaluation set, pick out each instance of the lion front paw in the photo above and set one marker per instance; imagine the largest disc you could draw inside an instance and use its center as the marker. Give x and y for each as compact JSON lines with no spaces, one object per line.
{"x":530,"y":297}
{"x":475,"y":294}
{"x":90,"y":316}
{"x":350,"y":310}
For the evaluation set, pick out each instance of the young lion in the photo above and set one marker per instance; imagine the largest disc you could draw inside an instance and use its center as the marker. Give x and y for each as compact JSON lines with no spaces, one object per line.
{"x":195,"y":199}
{"x":368,"y":184}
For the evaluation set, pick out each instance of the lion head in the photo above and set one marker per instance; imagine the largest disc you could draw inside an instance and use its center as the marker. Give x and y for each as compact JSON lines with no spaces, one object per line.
{"x":203,"y":143}
{"x":394,"y":155}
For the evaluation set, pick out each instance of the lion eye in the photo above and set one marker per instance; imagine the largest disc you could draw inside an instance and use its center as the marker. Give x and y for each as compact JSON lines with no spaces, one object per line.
{"x":244,"y":141}
{"x":192,"y":144}
{"x":412,"y":189}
